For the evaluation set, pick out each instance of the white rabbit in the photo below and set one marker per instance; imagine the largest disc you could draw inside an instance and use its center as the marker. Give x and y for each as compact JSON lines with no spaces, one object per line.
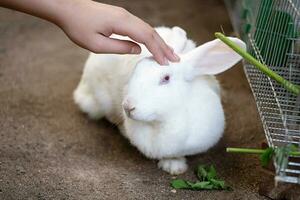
{"x":167,"y":112}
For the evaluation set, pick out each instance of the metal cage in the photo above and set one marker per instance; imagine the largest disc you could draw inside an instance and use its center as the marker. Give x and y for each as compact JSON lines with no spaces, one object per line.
{"x":271,"y":30}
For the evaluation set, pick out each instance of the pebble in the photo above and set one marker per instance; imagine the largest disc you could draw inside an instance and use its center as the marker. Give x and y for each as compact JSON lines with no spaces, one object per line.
{"x":173,"y":191}
{"x":20,"y":170}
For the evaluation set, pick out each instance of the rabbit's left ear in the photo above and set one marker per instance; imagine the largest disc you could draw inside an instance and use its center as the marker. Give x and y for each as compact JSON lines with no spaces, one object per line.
{"x":178,"y":39}
{"x":211,"y":58}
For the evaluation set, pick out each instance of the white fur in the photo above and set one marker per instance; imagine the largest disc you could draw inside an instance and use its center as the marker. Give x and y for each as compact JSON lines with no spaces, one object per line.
{"x":170,"y":120}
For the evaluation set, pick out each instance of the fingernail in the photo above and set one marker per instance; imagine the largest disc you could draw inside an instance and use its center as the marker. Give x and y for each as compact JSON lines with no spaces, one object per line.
{"x":176,"y":57}
{"x":135,"y":50}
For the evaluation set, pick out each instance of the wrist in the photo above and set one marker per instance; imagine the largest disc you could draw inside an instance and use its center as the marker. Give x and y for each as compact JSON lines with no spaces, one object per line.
{"x":67,"y":11}
{"x":55,"y":11}
{"x":62,"y":10}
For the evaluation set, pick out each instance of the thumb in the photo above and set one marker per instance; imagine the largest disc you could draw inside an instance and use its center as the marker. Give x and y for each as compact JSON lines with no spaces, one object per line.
{"x":104,"y":44}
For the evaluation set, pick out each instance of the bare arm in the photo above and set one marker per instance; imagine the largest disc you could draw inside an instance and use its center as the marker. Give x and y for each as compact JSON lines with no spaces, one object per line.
{"x":89,"y":24}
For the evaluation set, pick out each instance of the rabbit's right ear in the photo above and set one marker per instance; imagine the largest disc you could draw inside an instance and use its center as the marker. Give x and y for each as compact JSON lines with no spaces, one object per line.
{"x":211,"y":58}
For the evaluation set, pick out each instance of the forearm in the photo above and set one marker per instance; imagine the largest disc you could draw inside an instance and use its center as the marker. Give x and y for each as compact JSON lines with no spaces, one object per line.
{"x":90,"y":25}
{"x":51,"y":10}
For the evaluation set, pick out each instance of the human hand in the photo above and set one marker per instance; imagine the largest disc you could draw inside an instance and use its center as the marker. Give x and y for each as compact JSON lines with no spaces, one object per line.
{"x":89,"y":24}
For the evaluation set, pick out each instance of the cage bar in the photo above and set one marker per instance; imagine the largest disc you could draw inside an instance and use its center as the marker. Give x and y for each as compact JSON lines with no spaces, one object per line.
{"x":271,"y":30}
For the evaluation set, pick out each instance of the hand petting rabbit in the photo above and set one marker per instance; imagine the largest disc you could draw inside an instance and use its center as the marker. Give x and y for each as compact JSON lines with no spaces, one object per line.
{"x":166,"y":112}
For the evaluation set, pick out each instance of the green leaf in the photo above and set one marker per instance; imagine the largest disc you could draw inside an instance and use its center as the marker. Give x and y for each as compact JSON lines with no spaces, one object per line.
{"x":293,"y":147}
{"x":203,"y":185}
{"x":180,"y":184}
{"x":201,"y":173}
{"x":212,"y":173}
{"x":218,"y":184}
{"x":266,"y":157}
{"x":207,"y":180}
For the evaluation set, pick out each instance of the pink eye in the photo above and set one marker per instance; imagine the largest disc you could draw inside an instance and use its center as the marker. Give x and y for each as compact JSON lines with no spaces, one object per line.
{"x":165,"y":79}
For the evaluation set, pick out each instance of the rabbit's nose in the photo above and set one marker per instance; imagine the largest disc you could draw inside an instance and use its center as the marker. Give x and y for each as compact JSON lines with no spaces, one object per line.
{"x":128,"y":108}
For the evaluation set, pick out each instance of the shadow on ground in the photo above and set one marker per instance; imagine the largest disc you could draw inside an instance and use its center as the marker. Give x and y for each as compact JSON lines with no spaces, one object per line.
{"x":49,"y":150}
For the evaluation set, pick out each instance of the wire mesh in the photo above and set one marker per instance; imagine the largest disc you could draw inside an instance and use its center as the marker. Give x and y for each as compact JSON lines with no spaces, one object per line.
{"x":271,"y":31}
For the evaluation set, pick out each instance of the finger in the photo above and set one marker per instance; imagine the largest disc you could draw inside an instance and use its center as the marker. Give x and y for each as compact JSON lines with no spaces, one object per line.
{"x":158,"y":47}
{"x":156,"y":51}
{"x":167,"y":50}
{"x":102,"y":44}
{"x":147,"y":36}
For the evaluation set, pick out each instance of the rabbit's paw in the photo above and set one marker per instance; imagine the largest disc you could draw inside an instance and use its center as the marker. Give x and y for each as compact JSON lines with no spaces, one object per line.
{"x":173,"y":166}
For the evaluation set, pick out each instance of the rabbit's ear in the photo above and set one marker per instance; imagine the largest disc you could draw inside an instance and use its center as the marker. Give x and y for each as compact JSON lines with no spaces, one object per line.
{"x":178,"y":39}
{"x":211,"y":58}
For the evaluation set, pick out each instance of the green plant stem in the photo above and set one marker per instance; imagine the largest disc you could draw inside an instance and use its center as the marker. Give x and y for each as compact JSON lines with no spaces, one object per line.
{"x":285,"y":83}
{"x":245,"y":150}
{"x":255,"y":151}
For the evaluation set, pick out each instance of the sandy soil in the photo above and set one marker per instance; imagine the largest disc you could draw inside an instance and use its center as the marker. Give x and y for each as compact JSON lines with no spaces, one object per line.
{"x":49,"y":150}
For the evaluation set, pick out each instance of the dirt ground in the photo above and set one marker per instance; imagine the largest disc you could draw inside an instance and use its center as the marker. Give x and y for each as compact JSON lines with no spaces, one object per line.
{"x":49,"y":150}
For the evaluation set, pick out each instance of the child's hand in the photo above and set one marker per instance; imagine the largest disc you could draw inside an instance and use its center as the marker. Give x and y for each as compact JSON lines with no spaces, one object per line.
{"x":89,"y":24}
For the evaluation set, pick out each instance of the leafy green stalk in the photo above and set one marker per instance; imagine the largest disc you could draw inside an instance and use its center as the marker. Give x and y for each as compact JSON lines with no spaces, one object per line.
{"x":244,"y":150}
{"x":285,"y":83}
{"x":267,"y":154}
{"x":255,"y":151}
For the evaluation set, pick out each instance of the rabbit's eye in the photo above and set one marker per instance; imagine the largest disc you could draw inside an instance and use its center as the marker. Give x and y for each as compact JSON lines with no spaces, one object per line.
{"x":165,"y":79}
